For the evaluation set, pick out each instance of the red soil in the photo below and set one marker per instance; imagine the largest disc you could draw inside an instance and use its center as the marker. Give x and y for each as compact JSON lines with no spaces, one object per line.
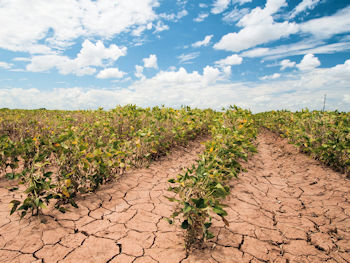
{"x":286,"y":208}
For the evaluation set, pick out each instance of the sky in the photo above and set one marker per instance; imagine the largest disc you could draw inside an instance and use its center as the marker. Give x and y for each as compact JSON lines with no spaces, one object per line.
{"x":258,"y":54}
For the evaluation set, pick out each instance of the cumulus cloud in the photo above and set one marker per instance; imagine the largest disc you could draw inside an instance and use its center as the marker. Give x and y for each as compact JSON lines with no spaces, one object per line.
{"x":308,"y":62}
{"x":160,"y":26}
{"x":259,"y":27}
{"x":174,"y":17}
{"x":94,"y":54}
{"x":139,"y":71}
{"x":209,"y":89}
{"x":273,"y":76}
{"x":204,"y":42}
{"x":229,"y":61}
{"x":110,"y":73}
{"x":60,"y":22}
{"x":201,"y":17}
{"x":286,"y":63}
{"x":219,"y":6}
{"x":150,"y":62}
{"x":89,"y":55}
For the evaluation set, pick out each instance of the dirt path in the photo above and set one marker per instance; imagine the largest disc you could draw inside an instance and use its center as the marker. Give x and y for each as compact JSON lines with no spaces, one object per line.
{"x":122,"y":222}
{"x":286,"y":208}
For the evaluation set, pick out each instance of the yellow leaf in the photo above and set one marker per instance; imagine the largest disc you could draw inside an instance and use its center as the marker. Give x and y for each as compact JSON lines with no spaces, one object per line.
{"x":65,"y":192}
{"x":153,"y":151}
{"x":211,"y":149}
{"x":68,"y":182}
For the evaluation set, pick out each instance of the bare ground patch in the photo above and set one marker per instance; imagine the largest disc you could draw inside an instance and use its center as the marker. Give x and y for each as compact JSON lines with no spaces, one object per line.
{"x":286,"y":208}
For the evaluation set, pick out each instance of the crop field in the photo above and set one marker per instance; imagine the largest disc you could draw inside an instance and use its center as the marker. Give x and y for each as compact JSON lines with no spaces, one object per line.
{"x":174,"y":185}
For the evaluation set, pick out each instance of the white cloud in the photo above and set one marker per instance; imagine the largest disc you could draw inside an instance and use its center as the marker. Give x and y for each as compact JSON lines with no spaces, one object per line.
{"x":5,"y":65}
{"x":211,"y":75}
{"x":202,"y":5}
{"x":259,"y":27}
{"x":273,"y":76}
{"x":201,"y":17}
{"x":63,"y":64}
{"x":328,"y":26}
{"x":174,"y":17}
{"x":235,"y":15}
{"x":182,"y":14}
{"x":241,"y":2}
{"x":160,"y":26}
{"x":89,"y":55}
{"x":303,"y":6}
{"x":110,"y":73}
{"x":204,"y":42}
{"x":229,"y":61}
{"x":299,"y":48}
{"x":227,"y":70}
{"x":60,"y":22}
{"x":286,"y":63}
{"x":219,"y":6}
{"x":93,"y":55}
{"x":21,"y":59}
{"x":256,"y":52}
{"x":176,"y":88}
{"x":140,"y":29}
{"x":346,"y":98}
{"x":139,"y":71}
{"x":308,"y":62}
{"x":150,"y":62}
{"x":185,"y":58}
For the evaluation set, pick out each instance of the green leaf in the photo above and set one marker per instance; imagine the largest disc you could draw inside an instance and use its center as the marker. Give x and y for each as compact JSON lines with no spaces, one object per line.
{"x":171,"y":199}
{"x":23,"y":214}
{"x":207,"y":225}
{"x":74,"y":204}
{"x":200,"y":203}
{"x":187,"y":208}
{"x":37,"y":202}
{"x":13,"y":189}
{"x":219,"y":211}
{"x":209,"y":235}
{"x":15,"y":204}
{"x":184,"y":224}
{"x":48,"y":174}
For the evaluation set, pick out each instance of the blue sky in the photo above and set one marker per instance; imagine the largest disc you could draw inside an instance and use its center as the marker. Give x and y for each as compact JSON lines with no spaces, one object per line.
{"x":261,"y":55}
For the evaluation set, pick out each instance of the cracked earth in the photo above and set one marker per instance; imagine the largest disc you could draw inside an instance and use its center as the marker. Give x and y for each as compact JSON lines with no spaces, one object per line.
{"x":286,"y":208}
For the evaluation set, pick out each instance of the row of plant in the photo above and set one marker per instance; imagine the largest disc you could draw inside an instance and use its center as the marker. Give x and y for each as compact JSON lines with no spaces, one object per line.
{"x":201,"y":190}
{"x":59,"y":154}
{"x":323,"y":135}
